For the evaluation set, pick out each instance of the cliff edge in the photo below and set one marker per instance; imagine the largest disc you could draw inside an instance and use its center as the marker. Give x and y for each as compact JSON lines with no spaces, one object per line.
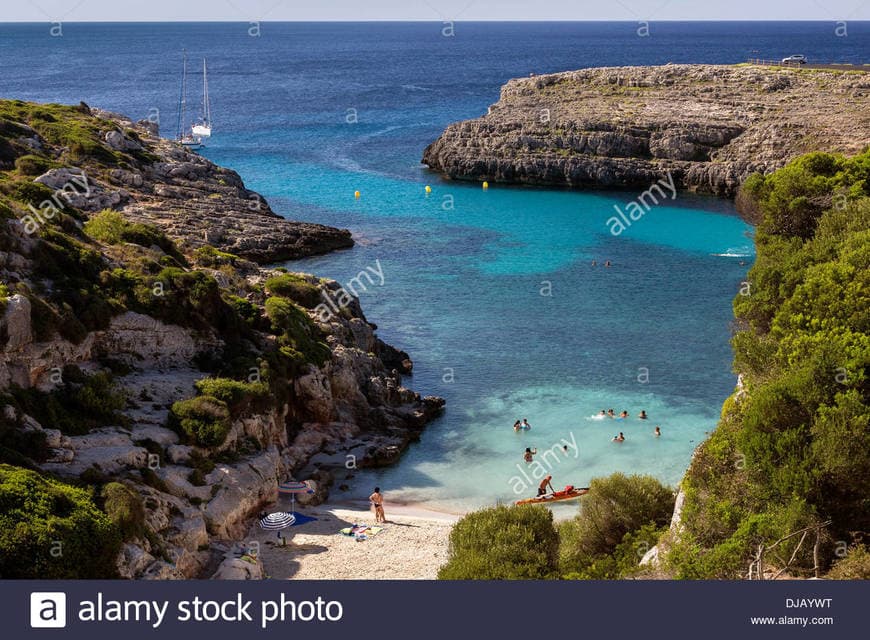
{"x":710,"y":126}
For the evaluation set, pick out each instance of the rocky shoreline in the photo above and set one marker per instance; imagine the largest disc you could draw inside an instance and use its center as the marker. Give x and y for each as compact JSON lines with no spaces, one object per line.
{"x":336,"y":397}
{"x":709,"y":126}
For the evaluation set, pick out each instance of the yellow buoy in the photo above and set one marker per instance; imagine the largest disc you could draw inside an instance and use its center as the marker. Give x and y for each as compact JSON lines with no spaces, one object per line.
{"x":485,"y":185}
{"x":428,"y":189}
{"x":356,"y":194}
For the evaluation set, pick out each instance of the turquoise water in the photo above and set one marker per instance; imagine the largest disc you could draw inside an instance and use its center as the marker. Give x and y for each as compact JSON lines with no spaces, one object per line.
{"x":464,"y":269}
{"x":504,"y":315}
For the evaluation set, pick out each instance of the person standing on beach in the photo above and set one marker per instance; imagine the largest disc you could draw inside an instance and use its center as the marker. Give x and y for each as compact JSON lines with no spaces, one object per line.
{"x":377,"y":501}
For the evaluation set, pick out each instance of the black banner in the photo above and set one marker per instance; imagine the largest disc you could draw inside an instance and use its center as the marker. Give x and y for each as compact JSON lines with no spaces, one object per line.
{"x":334,"y":609}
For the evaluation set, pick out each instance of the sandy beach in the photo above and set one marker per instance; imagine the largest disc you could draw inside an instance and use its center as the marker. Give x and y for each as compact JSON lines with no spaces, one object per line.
{"x":412,"y":545}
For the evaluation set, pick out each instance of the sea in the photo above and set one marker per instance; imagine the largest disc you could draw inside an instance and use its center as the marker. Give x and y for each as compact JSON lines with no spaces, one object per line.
{"x":492,"y":291}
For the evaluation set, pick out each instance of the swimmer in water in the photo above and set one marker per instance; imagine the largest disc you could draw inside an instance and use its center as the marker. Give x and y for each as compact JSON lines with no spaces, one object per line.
{"x":619,"y":438}
{"x":610,"y":413}
{"x":623,"y":415}
{"x":528,"y":456}
{"x":526,"y":424}
{"x":642,"y":415}
{"x":658,"y":432}
{"x":517,"y":425}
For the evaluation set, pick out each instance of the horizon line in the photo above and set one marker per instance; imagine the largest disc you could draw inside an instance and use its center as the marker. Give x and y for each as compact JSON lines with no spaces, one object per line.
{"x":440,"y":21}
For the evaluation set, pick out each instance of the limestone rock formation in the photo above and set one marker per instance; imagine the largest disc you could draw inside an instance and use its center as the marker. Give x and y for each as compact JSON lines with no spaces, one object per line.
{"x":710,"y":126}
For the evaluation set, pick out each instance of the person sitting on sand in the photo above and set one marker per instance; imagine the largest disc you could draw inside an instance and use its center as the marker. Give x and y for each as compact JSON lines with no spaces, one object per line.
{"x":619,"y":438}
{"x":642,"y":415}
{"x":526,"y":424}
{"x":528,"y":456}
{"x":546,"y":482}
{"x":623,"y":415}
{"x":658,"y":432}
{"x":377,"y":501}
{"x":517,"y":425}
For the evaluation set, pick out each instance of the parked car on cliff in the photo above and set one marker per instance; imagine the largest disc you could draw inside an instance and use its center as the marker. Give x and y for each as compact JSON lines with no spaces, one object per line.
{"x":797,"y":58}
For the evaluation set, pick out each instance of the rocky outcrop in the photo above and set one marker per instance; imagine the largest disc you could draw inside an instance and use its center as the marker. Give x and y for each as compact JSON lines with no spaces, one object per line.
{"x":709,"y":126}
{"x":192,"y":199}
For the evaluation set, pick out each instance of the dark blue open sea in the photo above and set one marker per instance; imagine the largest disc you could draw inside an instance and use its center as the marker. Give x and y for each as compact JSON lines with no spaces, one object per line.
{"x":463,"y":286}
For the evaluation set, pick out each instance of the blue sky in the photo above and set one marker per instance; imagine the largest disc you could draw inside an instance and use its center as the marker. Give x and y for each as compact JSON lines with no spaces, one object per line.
{"x":439,"y":10}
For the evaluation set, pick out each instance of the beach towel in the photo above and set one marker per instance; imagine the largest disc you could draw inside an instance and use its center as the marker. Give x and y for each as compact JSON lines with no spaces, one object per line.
{"x":361,"y":531}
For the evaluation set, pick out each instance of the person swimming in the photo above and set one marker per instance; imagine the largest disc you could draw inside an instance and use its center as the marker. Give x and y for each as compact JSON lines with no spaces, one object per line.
{"x":619,"y":438}
{"x":658,"y":432}
{"x":602,"y":413}
{"x":610,"y":413}
{"x":607,"y":263}
{"x":528,"y":456}
{"x":517,"y":425}
{"x":526,"y":424}
{"x":642,"y":415}
{"x":623,"y":415}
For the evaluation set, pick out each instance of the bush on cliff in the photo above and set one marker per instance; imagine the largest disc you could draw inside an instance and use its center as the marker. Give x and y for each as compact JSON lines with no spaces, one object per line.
{"x":204,"y":420}
{"x":297,"y":333}
{"x":503,"y":543}
{"x":236,"y":394}
{"x":125,"y":509}
{"x":77,"y":405}
{"x":854,"y":566}
{"x":110,"y":227}
{"x":295,"y":287}
{"x":792,"y":450}
{"x":615,"y":510}
{"x":52,"y":531}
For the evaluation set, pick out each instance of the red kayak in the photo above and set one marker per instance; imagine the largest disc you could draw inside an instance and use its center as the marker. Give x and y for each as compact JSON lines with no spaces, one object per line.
{"x":568,"y":493}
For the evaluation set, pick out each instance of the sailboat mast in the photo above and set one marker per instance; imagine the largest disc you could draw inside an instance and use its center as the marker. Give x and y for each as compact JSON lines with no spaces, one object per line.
{"x":182,"y":108}
{"x":206,"y":106}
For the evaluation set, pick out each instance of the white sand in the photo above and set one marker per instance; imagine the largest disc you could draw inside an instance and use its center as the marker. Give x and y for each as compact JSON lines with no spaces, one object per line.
{"x":412,"y":545}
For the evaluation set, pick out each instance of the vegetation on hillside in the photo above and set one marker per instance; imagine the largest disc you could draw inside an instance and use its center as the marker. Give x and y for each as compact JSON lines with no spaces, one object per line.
{"x":51,"y":531}
{"x":792,"y":450}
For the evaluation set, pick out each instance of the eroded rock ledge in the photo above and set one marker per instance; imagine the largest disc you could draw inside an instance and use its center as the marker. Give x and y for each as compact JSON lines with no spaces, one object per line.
{"x":711,"y":126}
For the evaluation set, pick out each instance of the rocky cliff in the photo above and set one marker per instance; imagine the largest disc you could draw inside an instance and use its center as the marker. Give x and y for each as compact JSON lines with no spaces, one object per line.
{"x":179,"y":382}
{"x":709,"y":126}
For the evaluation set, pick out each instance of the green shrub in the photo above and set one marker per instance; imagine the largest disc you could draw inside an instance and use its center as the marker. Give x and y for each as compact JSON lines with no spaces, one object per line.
{"x":74,"y":407}
{"x":125,"y":509}
{"x":204,"y":420}
{"x":31,"y":165}
{"x":615,"y":507}
{"x":208,"y":256}
{"x":236,"y":394}
{"x":52,"y":531}
{"x":110,"y":227}
{"x":296,"y":331}
{"x":295,"y":287}
{"x":503,"y":543}
{"x":855,"y":566}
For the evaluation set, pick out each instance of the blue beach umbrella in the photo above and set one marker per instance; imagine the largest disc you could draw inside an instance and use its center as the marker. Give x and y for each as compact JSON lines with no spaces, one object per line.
{"x":291,"y":488}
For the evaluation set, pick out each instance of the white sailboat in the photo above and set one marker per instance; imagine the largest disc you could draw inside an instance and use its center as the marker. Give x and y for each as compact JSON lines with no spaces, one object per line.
{"x":203,"y":127}
{"x":185,"y":137}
